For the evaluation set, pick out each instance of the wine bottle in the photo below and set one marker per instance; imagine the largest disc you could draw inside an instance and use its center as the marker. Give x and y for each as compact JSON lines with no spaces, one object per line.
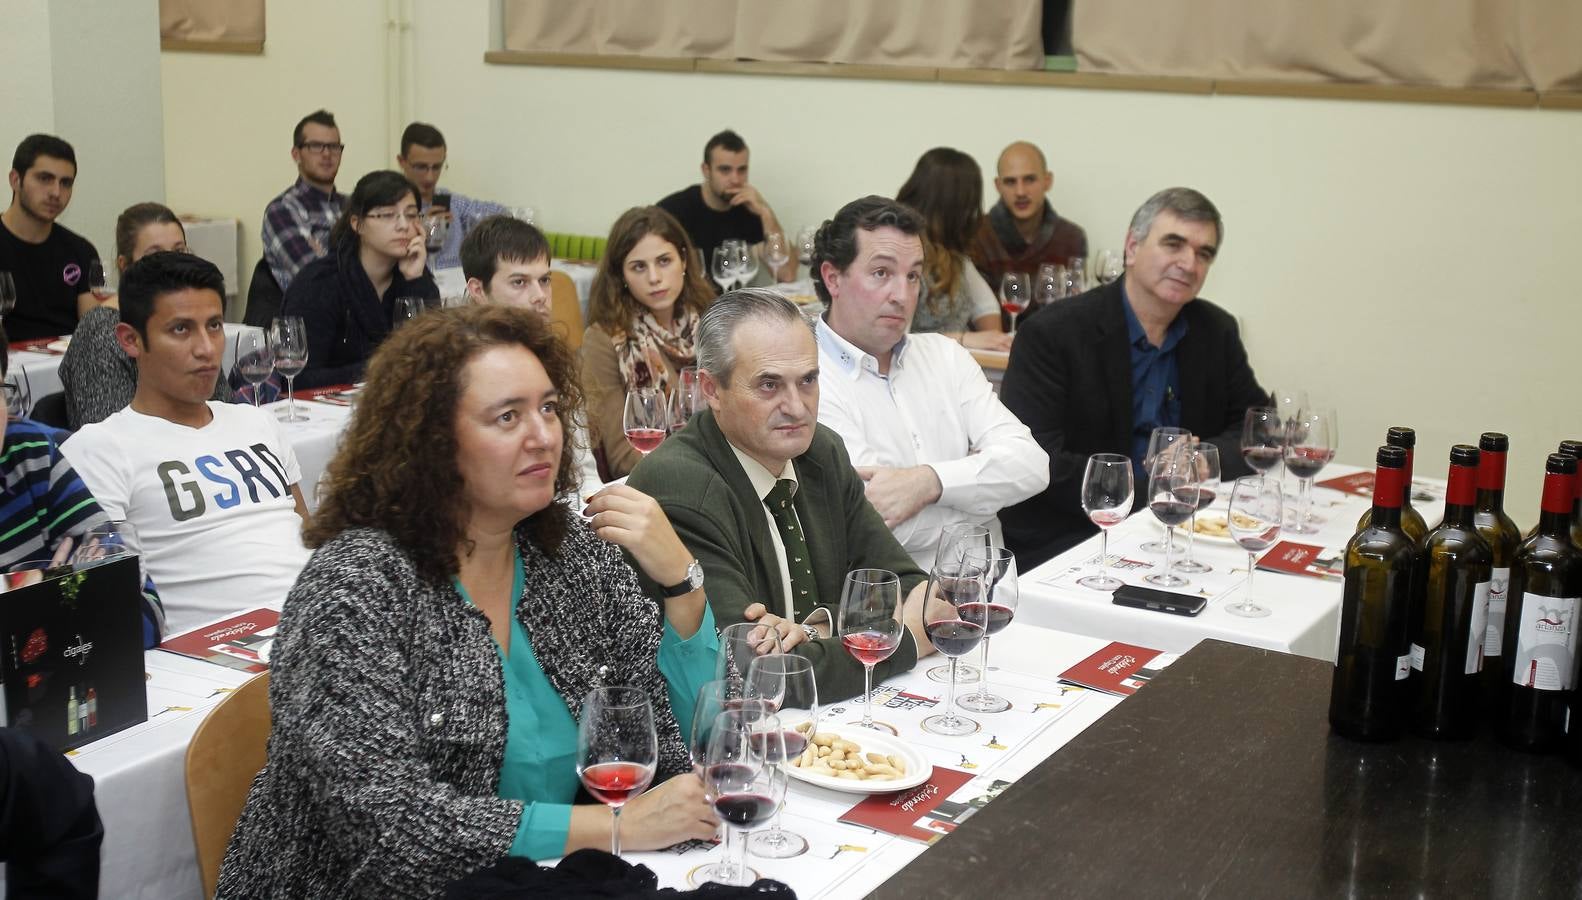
{"x":1575,"y":449}
{"x":1411,"y":520}
{"x":1368,"y":697}
{"x":1503,"y":537}
{"x":1540,"y":619}
{"x":1450,"y":610}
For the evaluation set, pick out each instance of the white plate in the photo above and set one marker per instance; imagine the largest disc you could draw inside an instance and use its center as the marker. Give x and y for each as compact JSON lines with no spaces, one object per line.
{"x":1209,"y":515}
{"x":918,"y":768}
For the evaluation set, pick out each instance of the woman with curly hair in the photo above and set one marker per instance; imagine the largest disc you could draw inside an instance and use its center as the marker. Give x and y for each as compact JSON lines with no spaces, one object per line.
{"x":643,"y":310}
{"x":946,"y":188}
{"x":433,"y":656}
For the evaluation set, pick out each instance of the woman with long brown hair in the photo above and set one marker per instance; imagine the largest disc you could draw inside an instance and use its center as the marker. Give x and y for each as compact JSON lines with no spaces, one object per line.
{"x":946,"y":188}
{"x":643,"y":314}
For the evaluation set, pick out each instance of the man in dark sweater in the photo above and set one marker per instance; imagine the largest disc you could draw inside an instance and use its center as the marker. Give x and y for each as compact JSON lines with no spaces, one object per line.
{"x":1022,"y":231}
{"x":48,"y":262}
{"x":767,"y":498}
{"x":725,"y":206}
{"x":1097,"y":373}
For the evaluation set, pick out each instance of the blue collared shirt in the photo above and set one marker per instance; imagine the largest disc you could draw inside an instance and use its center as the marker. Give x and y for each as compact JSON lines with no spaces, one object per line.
{"x":1156,"y":384}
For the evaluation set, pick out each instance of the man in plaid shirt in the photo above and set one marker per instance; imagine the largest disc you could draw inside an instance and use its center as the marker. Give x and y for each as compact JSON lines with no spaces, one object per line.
{"x":297,"y":223}
{"x":422,"y":159}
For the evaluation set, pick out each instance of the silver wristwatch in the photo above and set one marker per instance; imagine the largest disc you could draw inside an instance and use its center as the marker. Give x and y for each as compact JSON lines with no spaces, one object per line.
{"x":811,"y":632}
{"x":692,"y":582}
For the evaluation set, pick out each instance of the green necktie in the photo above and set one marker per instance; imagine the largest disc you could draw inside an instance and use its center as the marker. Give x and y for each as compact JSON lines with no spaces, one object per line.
{"x":804,"y":591}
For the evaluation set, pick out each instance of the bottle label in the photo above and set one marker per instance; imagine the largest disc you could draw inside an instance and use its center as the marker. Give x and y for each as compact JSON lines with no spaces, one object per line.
{"x":1477,"y":634}
{"x":1546,"y":642}
{"x":1495,"y":631}
{"x":1418,"y":654}
{"x":1403,"y":666}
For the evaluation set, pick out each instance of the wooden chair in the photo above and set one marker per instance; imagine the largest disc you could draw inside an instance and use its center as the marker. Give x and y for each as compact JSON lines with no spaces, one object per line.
{"x":565,"y":309}
{"x":226,"y":752}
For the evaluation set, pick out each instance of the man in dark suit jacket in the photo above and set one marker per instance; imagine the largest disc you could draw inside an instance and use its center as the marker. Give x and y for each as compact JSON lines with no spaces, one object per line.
{"x":759,"y":372}
{"x":1097,"y":373}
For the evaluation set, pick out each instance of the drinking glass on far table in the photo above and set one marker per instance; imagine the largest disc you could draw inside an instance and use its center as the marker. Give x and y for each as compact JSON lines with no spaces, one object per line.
{"x":724,"y":266}
{"x":1109,"y":267}
{"x":288,"y":337}
{"x":254,"y":358}
{"x":1208,"y":472}
{"x":7,"y":294}
{"x":1257,"y":510}
{"x":742,"y":643}
{"x":1162,"y":438}
{"x":955,"y":615}
{"x":1262,"y":438}
{"x":1310,"y":441}
{"x":18,"y":393}
{"x":955,"y":542}
{"x":646,"y":419}
{"x":1049,"y":285}
{"x":1015,"y":294}
{"x":436,"y":228}
{"x":744,"y":780}
{"x":99,"y":283}
{"x":776,"y":253}
{"x":747,"y":260}
{"x":1107,"y":496}
{"x":869,"y":625}
{"x":1000,"y":596}
{"x":1077,"y":274}
{"x":617,"y":749}
{"x":525,"y":213}
{"x":1172,"y":496}
{"x":804,"y":245}
{"x":786,"y":680}
{"x":404,"y":310}
{"x":685,"y":399}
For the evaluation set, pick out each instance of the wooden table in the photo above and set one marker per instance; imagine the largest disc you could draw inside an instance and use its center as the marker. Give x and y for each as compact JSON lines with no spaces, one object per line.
{"x":1220,"y":778}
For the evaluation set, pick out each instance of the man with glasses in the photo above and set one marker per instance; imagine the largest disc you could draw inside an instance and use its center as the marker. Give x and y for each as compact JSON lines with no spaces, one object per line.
{"x":422,"y":159}
{"x":297,"y":223}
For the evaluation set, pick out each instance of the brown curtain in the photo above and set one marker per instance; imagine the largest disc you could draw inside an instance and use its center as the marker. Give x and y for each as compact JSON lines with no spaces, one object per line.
{"x":1504,"y":44}
{"x":953,"y":33}
{"x":217,"y":21}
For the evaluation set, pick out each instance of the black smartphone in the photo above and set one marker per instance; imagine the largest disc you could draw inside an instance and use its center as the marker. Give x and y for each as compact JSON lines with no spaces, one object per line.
{"x":1161,"y":601}
{"x":441,"y":201}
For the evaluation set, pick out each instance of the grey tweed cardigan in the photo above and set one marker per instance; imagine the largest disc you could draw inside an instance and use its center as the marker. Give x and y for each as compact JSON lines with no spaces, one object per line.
{"x":389,"y":715}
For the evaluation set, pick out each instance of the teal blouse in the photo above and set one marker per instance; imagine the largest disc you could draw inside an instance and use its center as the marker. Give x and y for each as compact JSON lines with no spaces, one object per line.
{"x":540,"y":765}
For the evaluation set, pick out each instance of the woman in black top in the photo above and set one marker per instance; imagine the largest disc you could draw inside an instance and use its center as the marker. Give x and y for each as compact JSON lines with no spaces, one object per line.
{"x":347,"y":298}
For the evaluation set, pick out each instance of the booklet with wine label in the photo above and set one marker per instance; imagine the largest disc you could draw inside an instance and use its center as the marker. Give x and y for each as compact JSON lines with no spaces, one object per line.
{"x":1119,"y":668}
{"x":240,"y":642}
{"x":1291,"y":558}
{"x":929,"y":811}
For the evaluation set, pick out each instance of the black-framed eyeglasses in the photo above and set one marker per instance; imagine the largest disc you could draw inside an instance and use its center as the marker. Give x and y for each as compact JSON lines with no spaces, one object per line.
{"x":320,"y":147}
{"x":389,"y":215}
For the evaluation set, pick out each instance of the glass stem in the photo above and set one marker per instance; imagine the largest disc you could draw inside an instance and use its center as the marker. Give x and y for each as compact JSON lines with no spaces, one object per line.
{"x":732,"y":867}
{"x":740,"y":862}
{"x":983,"y":676}
{"x":1170,"y":542}
{"x":1192,"y":536}
{"x":615,"y":831}
{"x":867,"y":693}
{"x":291,"y":391}
{"x":1305,"y":488}
{"x":1251,"y":564}
{"x":1104,"y":565}
{"x":950,"y":695}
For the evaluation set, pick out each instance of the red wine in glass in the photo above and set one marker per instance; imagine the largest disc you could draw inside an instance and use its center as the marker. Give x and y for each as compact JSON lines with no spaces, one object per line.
{"x":870,"y":647}
{"x":1172,"y":510}
{"x":1108,"y":518}
{"x":1307,"y":462}
{"x":955,"y":637}
{"x":646,"y":440}
{"x":997,"y":615}
{"x":1013,"y":307}
{"x":614,"y":783}
{"x":745,"y":811}
{"x":1205,"y":497}
{"x":1261,"y":459}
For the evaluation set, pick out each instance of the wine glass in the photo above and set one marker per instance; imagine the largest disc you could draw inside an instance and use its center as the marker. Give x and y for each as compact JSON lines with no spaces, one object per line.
{"x":685,"y":399}
{"x":1077,"y":274}
{"x":7,"y":294}
{"x":525,"y":213}
{"x":1161,"y":438}
{"x":645,"y":419}
{"x":869,"y":624}
{"x":104,"y":543}
{"x":1107,"y":495}
{"x":1262,"y":437}
{"x":617,"y":749}
{"x":1310,"y":440}
{"x":955,"y":542}
{"x":1110,"y":266}
{"x":1046,"y":288}
{"x":724,"y":266}
{"x":1208,"y":472}
{"x":1288,"y":403}
{"x":1002,"y":595}
{"x":404,"y":310}
{"x":955,"y":615}
{"x":436,"y":228}
{"x":1257,"y":509}
{"x":788,"y":679}
{"x":714,"y":697}
{"x":776,"y":253}
{"x":1014,"y":295}
{"x":742,"y":643}
{"x":805,"y":240}
{"x":18,"y":393}
{"x":747,"y":258}
{"x":99,"y":283}
{"x":1172,"y":495}
{"x":288,"y":337}
{"x":745,"y":782}
{"x":254,"y":358}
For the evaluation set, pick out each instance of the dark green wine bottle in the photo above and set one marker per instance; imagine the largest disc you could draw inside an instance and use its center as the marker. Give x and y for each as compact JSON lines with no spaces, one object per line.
{"x":1503,"y":537}
{"x":1411,"y":520}
{"x":1575,"y":449}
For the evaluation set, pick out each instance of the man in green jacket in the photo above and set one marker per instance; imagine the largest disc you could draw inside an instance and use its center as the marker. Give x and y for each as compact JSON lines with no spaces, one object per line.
{"x":721,"y":480}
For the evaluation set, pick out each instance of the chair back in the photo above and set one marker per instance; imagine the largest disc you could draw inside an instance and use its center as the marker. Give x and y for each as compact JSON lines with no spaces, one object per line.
{"x":50,"y":410}
{"x":264,"y":297}
{"x":565,"y":309}
{"x":227,"y":751}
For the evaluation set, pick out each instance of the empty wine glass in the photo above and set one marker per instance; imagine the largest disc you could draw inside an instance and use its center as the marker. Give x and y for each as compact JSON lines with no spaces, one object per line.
{"x":776,"y":253}
{"x":1208,"y":472}
{"x":955,"y":615}
{"x":105,"y":543}
{"x":1108,"y":492}
{"x":744,"y":780}
{"x":7,"y":294}
{"x":1014,"y":295}
{"x":725,"y":266}
{"x":1001,"y":592}
{"x":404,"y":310}
{"x":685,"y":398}
{"x":804,"y":246}
{"x":525,"y":213}
{"x":955,"y":542}
{"x":254,"y":357}
{"x":1262,"y":438}
{"x":1172,"y":496}
{"x":288,"y":337}
{"x":747,"y":260}
{"x":617,"y":749}
{"x":1046,"y":288}
{"x":742,"y":643}
{"x":1257,"y":509}
{"x":646,"y":419}
{"x":18,"y":393}
{"x":788,"y":680}
{"x":714,"y":697}
{"x":1108,"y":267}
{"x":869,"y":624}
{"x":99,"y":283}
{"x":1310,"y":441}
{"x":1288,"y":403}
{"x":1161,"y":438}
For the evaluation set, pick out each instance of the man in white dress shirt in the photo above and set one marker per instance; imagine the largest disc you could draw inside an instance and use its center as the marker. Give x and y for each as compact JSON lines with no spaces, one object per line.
{"x":921,"y":422}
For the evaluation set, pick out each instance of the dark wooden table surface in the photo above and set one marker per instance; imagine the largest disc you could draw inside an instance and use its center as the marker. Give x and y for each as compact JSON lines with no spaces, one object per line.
{"x":1221,"y":779}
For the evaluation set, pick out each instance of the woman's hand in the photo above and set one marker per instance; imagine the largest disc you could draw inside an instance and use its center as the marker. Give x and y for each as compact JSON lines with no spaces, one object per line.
{"x":632,"y":520}
{"x":675,"y":811}
{"x":416,"y":257}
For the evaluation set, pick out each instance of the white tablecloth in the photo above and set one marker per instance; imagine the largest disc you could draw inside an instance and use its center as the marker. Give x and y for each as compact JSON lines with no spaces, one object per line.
{"x":313,"y":441}
{"x":1304,"y":612}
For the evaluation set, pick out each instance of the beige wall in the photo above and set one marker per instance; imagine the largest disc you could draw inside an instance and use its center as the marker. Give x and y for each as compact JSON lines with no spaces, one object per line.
{"x":1410,"y":264}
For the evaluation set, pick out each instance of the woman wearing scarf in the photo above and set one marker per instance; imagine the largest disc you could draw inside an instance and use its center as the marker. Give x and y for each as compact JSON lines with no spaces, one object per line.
{"x":644,"y":310}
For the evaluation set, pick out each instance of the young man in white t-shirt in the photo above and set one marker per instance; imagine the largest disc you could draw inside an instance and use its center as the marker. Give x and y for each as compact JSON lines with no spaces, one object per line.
{"x":210,"y":487}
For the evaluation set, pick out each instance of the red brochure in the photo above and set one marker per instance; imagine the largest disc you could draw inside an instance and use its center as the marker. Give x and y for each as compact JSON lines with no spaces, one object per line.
{"x":1305,"y":559}
{"x":240,"y":642}
{"x":925,"y":813}
{"x":1117,"y":669}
